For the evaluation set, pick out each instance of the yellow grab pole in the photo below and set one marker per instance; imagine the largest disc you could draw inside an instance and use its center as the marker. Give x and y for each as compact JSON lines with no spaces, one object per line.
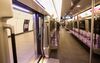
{"x":92,"y":30}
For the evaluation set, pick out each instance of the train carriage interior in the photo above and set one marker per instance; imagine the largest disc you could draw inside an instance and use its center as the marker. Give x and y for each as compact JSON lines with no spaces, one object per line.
{"x":49,"y":31}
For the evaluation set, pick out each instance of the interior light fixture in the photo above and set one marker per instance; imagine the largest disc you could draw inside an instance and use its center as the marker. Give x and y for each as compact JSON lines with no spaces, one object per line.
{"x":20,"y":8}
{"x":71,"y":3}
{"x":78,"y":6}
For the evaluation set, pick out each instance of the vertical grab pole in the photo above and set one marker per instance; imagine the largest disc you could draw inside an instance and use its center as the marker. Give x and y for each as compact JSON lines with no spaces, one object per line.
{"x":14,"y":47}
{"x":55,"y":33}
{"x":92,"y":30}
{"x":13,"y":42}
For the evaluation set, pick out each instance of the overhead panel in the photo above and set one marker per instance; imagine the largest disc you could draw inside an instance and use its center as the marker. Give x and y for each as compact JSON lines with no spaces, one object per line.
{"x":97,"y":2}
{"x":66,"y":5}
{"x":75,"y":2}
{"x":47,"y":5}
{"x":84,"y":5}
{"x":32,"y":4}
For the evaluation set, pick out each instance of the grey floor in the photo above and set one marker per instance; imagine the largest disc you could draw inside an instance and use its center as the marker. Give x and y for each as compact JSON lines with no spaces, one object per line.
{"x":70,"y":50}
{"x":50,"y":60}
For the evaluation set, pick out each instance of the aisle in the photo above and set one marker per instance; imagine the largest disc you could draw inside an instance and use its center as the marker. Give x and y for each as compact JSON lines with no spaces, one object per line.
{"x":49,"y":60}
{"x":70,"y":51}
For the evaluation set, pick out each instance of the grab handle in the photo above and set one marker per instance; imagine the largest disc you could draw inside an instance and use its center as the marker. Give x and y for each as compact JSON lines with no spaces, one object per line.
{"x":13,"y":41}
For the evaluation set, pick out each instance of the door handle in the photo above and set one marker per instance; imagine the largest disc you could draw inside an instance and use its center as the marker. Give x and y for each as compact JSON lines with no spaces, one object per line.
{"x":11,"y":28}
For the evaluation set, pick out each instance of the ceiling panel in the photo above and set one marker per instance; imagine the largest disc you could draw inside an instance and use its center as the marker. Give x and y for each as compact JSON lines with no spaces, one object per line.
{"x":67,"y":8}
{"x":66,"y":4}
{"x":84,"y":5}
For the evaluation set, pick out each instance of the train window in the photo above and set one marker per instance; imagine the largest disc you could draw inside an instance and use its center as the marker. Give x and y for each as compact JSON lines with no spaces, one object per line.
{"x":89,"y":25}
{"x":70,"y":25}
{"x":52,"y":25}
{"x":82,"y":25}
{"x":75,"y":24}
{"x":97,"y":26}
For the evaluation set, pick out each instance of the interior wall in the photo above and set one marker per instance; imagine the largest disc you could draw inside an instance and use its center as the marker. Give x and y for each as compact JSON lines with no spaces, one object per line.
{"x":18,"y":20}
{"x":25,"y":43}
{"x":26,"y":48}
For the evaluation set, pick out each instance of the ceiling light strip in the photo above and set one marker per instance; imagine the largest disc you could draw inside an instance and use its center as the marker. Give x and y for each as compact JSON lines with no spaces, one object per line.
{"x":20,"y":8}
{"x":55,"y":8}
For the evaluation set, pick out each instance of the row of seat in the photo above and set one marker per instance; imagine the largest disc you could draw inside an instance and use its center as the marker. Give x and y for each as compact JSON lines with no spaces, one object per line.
{"x":85,"y":37}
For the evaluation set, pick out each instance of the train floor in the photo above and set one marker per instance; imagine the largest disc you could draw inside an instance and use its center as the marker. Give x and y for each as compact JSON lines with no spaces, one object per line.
{"x":70,"y":50}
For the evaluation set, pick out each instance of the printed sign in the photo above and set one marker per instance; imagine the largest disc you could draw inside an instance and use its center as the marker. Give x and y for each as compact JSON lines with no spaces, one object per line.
{"x":26,"y":25}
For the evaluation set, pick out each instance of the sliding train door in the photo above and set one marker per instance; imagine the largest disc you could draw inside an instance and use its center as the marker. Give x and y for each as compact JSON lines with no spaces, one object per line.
{"x":46,"y":36}
{"x":39,"y":33}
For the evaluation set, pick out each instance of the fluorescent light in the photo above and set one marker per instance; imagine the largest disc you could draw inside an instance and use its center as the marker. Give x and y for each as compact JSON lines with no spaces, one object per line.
{"x":20,"y":8}
{"x":71,"y":3}
{"x":48,"y":6}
